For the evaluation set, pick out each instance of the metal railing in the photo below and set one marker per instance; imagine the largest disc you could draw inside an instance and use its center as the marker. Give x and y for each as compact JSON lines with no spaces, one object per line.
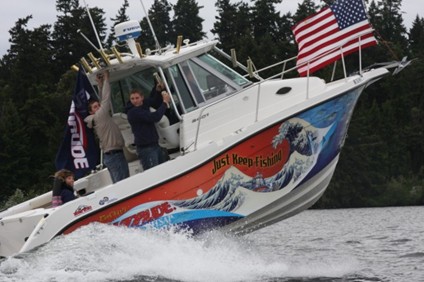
{"x":281,"y":74}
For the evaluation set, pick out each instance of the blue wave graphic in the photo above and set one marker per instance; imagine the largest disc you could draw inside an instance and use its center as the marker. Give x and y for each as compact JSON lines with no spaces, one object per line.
{"x":220,"y":197}
{"x":191,"y":216}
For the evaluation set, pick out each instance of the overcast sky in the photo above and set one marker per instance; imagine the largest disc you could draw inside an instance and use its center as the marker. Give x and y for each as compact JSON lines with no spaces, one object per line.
{"x":44,"y":12}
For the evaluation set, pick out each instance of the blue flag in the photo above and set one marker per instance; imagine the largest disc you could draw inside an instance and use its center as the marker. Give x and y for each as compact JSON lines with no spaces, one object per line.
{"x":79,"y":151}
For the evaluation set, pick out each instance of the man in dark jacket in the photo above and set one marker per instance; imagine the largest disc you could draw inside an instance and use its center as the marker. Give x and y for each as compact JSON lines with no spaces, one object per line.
{"x":142,"y":123}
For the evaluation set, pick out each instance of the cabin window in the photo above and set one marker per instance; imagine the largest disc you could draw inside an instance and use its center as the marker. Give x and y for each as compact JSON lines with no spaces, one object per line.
{"x":192,"y":81}
{"x":120,"y":90}
{"x":224,"y":70}
{"x":209,"y":83}
{"x":180,"y":86}
{"x":284,"y":90}
{"x":196,"y":84}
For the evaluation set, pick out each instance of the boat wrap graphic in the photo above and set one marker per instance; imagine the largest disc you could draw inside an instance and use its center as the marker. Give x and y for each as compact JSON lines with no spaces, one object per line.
{"x":244,"y":179}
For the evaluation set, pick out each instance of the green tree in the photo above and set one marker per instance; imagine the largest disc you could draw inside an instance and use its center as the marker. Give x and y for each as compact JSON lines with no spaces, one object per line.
{"x":233,"y":27}
{"x":120,"y":17}
{"x":68,"y":43}
{"x":416,"y":37}
{"x":186,"y":21}
{"x":15,"y":166}
{"x":159,"y":15}
{"x":304,"y":10}
{"x":27,"y":61}
{"x":386,"y":18}
{"x":414,"y":73}
{"x":30,"y":86}
{"x":266,"y":19}
{"x":266,"y":32}
{"x":257,"y":32}
{"x":225,"y":27}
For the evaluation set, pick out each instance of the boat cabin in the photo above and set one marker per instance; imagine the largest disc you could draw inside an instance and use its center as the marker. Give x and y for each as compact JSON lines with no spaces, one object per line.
{"x":193,"y":82}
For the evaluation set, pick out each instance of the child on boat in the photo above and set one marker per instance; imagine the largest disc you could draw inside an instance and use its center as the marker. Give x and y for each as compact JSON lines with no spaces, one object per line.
{"x":63,"y":187}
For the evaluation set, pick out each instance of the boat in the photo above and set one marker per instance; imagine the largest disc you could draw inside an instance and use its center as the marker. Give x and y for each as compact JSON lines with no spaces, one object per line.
{"x":245,"y":153}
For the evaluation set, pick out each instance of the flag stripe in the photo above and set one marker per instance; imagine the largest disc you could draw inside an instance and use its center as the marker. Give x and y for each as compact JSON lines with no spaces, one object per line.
{"x":318,"y":40}
{"x":334,"y":56}
{"x":329,"y":42}
{"x":311,"y":21}
{"x":318,"y":35}
{"x":309,"y":29}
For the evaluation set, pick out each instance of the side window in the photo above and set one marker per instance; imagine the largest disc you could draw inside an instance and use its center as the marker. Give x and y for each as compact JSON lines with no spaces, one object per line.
{"x":182,"y":89}
{"x":196,"y":84}
{"x":118,"y":97}
{"x":224,"y":70}
{"x":192,"y":82}
{"x":210,"y":85}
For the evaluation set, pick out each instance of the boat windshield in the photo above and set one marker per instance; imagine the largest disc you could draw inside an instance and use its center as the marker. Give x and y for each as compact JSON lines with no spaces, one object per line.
{"x":202,"y":80}
{"x":223,"y":69}
{"x":120,"y":90}
{"x":193,"y":83}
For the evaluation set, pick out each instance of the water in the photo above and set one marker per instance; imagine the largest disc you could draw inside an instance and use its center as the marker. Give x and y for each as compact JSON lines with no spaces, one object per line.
{"x":382,"y":244}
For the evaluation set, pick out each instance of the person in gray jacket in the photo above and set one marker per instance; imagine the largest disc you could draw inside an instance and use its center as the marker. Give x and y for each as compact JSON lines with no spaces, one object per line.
{"x":108,"y":132}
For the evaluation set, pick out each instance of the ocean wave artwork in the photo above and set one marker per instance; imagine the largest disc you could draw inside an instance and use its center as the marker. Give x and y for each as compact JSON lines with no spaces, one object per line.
{"x":310,"y":140}
{"x":232,"y":193}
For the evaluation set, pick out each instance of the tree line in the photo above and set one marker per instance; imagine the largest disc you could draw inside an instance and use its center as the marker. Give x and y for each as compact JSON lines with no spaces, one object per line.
{"x":381,"y":163}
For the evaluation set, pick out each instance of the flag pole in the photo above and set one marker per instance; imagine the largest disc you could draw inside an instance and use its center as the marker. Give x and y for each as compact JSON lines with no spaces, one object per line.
{"x":360,"y":55}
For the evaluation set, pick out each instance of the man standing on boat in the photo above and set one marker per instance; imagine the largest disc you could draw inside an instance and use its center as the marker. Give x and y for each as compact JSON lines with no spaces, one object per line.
{"x":142,"y":123}
{"x":108,"y":132}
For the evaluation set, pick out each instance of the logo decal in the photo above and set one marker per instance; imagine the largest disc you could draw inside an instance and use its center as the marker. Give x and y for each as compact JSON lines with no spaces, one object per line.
{"x":82,"y":209}
{"x":106,"y":200}
{"x":147,"y":215}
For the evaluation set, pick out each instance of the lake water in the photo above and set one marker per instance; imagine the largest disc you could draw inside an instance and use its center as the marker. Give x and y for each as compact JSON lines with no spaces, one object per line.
{"x":379,"y":244}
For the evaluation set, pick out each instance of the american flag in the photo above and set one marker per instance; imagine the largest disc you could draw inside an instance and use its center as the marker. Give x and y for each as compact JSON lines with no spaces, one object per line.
{"x":338,"y":25}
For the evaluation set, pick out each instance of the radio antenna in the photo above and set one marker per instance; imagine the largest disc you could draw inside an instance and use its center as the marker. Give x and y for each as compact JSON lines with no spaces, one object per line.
{"x":93,"y":26}
{"x":151,"y":28}
{"x":88,"y":40}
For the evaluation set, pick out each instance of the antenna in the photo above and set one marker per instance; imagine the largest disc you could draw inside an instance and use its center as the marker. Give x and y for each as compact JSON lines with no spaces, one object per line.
{"x":93,"y":26}
{"x":151,"y":28}
{"x":88,"y":40}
